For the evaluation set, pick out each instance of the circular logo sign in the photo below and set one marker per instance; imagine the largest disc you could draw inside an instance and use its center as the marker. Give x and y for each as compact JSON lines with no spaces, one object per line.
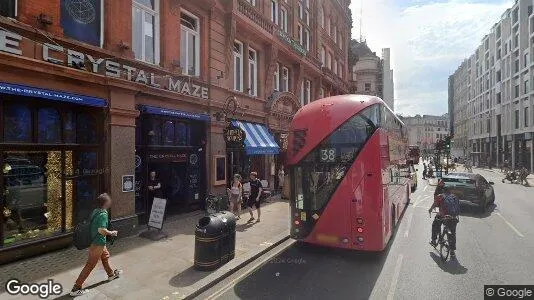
{"x":137,"y":161}
{"x":193,"y":159}
{"x":82,"y":11}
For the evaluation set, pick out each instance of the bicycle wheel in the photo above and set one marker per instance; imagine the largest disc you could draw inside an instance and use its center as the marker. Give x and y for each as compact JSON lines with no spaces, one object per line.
{"x":444,"y":248}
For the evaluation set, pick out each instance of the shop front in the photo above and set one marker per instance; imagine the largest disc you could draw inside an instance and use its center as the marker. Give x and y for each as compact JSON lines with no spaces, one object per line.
{"x":172,"y":145}
{"x":250,"y":148}
{"x":52,"y":159}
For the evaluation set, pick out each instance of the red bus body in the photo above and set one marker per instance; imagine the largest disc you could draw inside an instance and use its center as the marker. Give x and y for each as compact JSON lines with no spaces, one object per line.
{"x":355,"y":200}
{"x":414,"y":154}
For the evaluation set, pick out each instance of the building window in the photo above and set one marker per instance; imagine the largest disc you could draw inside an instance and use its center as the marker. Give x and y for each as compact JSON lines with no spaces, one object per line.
{"x":516,"y":91}
{"x":525,"y":87}
{"x":238,"y":66}
{"x":276,"y":77}
{"x":525,"y":116}
{"x":340,"y":70}
{"x":323,"y":56}
{"x":284,"y":81}
{"x":328,"y":25}
{"x":321,"y":93}
{"x":252,"y":2}
{"x":145,"y":35}
{"x":328,"y":61}
{"x":334,"y":34}
{"x":304,"y":36}
{"x":274,"y":11}
{"x":517,"y":119}
{"x":340,"y":40}
{"x":190,"y":44}
{"x":367,"y":87}
{"x":252,"y":72}
{"x":49,"y":126}
{"x":304,"y":14}
{"x":498,"y":76}
{"x":283,"y":19}
{"x":334,"y":65}
{"x":305,"y":92}
{"x":8,"y":8}
{"x":525,"y":60}
{"x":321,"y":16}
{"x":17,"y":123}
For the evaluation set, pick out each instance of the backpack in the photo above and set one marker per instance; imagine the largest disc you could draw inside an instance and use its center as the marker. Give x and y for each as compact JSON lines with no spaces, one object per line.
{"x":82,"y":238}
{"x":452,"y":205}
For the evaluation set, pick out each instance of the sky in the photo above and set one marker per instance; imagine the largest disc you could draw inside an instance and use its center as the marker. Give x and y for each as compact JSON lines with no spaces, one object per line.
{"x":428,"y":41}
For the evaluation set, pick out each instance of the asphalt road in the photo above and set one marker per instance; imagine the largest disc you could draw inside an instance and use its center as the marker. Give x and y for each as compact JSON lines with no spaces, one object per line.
{"x":492,"y":248}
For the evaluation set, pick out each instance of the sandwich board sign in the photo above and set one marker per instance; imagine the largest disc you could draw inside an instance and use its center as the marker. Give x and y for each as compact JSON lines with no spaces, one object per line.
{"x":156,"y":218}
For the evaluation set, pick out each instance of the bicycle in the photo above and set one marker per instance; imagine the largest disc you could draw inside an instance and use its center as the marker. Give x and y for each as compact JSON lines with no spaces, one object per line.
{"x":215,"y":204}
{"x":443,"y":239}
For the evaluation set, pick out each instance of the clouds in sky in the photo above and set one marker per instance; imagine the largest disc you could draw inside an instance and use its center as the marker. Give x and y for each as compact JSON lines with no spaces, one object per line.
{"x":428,"y":41}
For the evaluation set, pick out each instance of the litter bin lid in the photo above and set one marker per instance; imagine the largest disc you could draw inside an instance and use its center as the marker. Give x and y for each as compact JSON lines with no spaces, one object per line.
{"x":210,"y":225}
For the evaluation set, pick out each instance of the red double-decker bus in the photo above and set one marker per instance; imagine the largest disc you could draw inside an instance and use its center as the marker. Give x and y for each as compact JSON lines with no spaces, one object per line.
{"x":348,"y":172}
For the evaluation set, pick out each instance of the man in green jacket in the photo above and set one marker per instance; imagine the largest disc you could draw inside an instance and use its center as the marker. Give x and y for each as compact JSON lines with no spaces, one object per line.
{"x":98,"y":250}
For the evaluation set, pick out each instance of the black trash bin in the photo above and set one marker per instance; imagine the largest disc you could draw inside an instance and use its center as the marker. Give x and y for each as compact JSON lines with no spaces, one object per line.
{"x":208,"y":243}
{"x":228,"y":241}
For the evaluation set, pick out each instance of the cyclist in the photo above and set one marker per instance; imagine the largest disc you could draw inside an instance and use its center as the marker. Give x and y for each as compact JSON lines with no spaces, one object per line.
{"x":449,"y":208}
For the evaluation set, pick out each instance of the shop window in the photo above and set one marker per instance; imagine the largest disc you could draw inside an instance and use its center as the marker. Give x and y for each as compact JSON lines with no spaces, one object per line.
{"x":168,"y":133}
{"x":145,"y":35}
{"x":285,"y":80}
{"x":274,"y":11}
{"x":190,"y":44}
{"x":49,"y":126}
{"x":87,"y":163}
{"x":69,"y":127}
{"x":33,"y":206}
{"x":182,"y":134}
{"x":8,"y":8}
{"x":86,"y":192}
{"x":283,"y":19}
{"x":86,"y":129}
{"x":153,"y":132}
{"x":17,"y":123}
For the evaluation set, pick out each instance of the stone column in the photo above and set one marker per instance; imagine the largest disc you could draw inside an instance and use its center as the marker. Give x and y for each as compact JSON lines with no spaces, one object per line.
{"x":121,"y":156}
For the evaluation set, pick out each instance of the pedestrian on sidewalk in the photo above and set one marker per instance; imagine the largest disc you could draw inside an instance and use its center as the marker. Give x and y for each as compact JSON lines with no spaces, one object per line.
{"x":98,"y":250}
{"x":281,"y":178}
{"x":236,"y":193}
{"x":424,"y":171}
{"x":154,"y":189}
{"x":255,"y":194}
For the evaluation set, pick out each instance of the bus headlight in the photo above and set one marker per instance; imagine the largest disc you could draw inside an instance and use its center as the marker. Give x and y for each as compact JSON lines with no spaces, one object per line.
{"x":359,"y":220}
{"x":359,"y":239}
{"x":359,"y":229}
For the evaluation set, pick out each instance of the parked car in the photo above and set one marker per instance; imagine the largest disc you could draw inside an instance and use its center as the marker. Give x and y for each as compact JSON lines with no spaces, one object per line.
{"x":471,"y":189}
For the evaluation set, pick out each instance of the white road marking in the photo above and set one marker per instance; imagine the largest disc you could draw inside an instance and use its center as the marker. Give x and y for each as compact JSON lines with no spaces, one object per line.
{"x":510,"y":225}
{"x":395,"y":279}
{"x":426,"y":186}
{"x":416,"y":204}
{"x":407,"y":232}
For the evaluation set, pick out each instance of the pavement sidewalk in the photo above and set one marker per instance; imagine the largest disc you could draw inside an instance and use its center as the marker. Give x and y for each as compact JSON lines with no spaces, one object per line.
{"x":154,"y":270}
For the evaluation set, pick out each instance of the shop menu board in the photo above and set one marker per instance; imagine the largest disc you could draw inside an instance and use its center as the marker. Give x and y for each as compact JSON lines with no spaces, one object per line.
{"x":157,"y":213}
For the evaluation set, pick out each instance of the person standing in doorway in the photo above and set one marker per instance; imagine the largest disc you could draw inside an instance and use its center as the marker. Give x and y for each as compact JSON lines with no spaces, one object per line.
{"x":154,"y":189}
{"x":255,"y":194}
{"x":281,"y":177}
{"x":98,"y":250}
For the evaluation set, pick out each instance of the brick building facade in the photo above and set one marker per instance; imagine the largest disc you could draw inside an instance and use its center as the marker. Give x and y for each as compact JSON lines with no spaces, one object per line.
{"x":94,"y":95}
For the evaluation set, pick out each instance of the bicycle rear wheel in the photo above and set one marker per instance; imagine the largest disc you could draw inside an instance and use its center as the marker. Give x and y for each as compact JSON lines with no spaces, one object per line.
{"x":444,"y":248}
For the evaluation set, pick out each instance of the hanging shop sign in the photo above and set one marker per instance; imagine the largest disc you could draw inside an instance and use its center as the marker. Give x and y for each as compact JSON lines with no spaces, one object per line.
{"x":52,"y":53}
{"x":284,"y":36}
{"x":234,"y":136}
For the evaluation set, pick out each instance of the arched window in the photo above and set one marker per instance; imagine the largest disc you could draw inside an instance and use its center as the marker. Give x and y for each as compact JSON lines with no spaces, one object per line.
{"x":69,"y":127}
{"x":182,"y":134}
{"x":17,"y":123}
{"x":86,"y":129}
{"x":168,"y":133}
{"x":49,"y":125}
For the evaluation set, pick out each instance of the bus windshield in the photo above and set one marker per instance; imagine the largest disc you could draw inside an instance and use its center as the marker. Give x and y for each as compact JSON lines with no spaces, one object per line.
{"x":317,"y":176}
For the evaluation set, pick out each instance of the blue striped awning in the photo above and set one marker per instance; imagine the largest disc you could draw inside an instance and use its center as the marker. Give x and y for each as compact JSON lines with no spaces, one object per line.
{"x":258,"y":139}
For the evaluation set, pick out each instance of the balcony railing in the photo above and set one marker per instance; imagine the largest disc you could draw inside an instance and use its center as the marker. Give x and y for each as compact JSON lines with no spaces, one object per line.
{"x":257,"y":17}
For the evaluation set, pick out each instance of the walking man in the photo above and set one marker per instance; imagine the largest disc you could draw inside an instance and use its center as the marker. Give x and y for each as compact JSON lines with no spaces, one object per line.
{"x":97,"y":250}
{"x":255,"y":194}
